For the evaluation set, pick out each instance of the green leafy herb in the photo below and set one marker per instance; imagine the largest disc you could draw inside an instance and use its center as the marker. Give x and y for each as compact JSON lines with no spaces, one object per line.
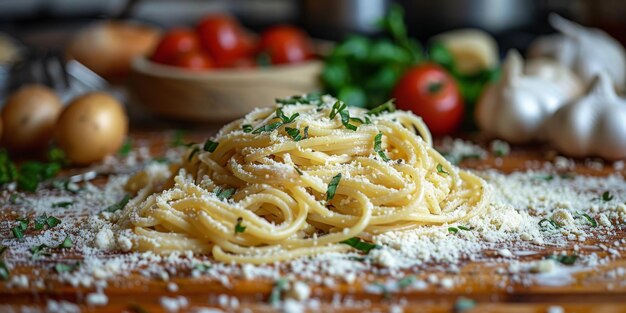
{"x":339,"y":106}
{"x":544,"y":223}
{"x":63,"y":204}
{"x":345,"y":120}
{"x":564,"y":258}
{"x":592,"y":221}
{"x":52,"y":221}
{"x":239,"y":228}
{"x":358,"y":244}
{"x":440,"y":169}
{"x":224,"y":193}
{"x":4,"y":271}
{"x":18,"y":232}
{"x":67,"y":243}
{"x":286,"y":120}
{"x":453,"y":230}
{"x":311,"y":98}
{"x":118,"y":205}
{"x":210,"y":145}
{"x":8,"y":170}
{"x":56,"y":155}
{"x":63,"y":268}
{"x":293,"y":133}
{"x":126,"y":148}
{"x":406,"y":281}
{"x":267,"y":128}
{"x":464,"y":228}
{"x":40,"y":250}
{"x":279,"y":287}
{"x":201,"y":267}
{"x":332,"y":187}
{"x":606,"y":196}
{"x":385,"y":107}
{"x":32,"y":173}
{"x":247,"y":128}
{"x":378,"y":146}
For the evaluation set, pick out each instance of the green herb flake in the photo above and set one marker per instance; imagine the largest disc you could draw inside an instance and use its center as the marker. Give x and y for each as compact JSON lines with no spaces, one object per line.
{"x":360,"y":245}
{"x":279,"y":287}
{"x":4,"y":271}
{"x":440,"y":169}
{"x":564,"y":258}
{"x":592,"y":221}
{"x":63,"y":268}
{"x":293,"y":133}
{"x":193,"y":152}
{"x":453,"y":230}
{"x":126,"y":148}
{"x":210,"y":145}
{"x":285,"y":120}
{"x":239,"y":228}
{"x":606,"y":196}
{"x":544,"y":223}
{"x":406,"y":281}
{"x":339,"y":106}
{"x":298,"y":170}
{"x":40,"y":250}
{"x":378,"y":146}
{"x":310,"y":98}
{"x":118,"y":205}
{"x":332,"y":187}
{"x":67,"y":243}
{"x":345,"y":120}
{"x":247,"y":128}
{"x":385,"y":107}
{"x":201,"y":267}
{"x":267,"y":128}
{"x":17,"y":232}
{"x":52,"y":221}
{"x":224,"y":193}
{"x":63,"y":204}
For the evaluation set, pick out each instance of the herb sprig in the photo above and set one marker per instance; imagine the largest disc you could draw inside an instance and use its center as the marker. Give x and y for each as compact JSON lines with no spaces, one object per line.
{"x":358,"y":244}
{"x":378,"y":147}
{"x":332,"y":187}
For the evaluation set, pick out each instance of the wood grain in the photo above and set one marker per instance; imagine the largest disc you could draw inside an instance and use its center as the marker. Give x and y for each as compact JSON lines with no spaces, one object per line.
{"x":592,"y":291}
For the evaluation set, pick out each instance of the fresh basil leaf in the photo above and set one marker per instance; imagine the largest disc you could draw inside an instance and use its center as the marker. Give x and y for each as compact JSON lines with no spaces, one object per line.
{"x":378,"y":147}
{"x":239,"y":228}
{"x":224,"y":194}
{"x":210,"y":145}
{"x":332,"y":187}
{"x":358,"y":244}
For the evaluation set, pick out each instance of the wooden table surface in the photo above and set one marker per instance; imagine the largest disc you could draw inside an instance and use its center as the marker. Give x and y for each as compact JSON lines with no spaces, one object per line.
{"x":482,"y":281}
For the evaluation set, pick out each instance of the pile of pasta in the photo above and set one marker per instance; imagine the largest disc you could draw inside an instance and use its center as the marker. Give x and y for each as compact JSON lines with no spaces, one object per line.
{"x":307,"y":176}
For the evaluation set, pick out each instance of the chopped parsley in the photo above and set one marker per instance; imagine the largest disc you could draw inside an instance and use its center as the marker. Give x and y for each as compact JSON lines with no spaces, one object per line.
{"x":454,"y":230}
{"x":378,"y":146}
{"x":332,"y":187}
{"x":564,"y":258}
{"x":339,"y":106}
{"x":210,"y":145}
{"x":606,"y":196}
{"x":286,"y":120}
{"x":18,"y":232}
{"x":63,"y":204}
{"x":310,"y":98}
{"x":224,"y":193}
{"x":360,"y":245}
{"x":385,"y":107}
{"x":592,"y":221}
{"x":67,"y":243}
{"x":126,"y":148}
{"x":62,"y":267}
{"x":40,"y":250}
{"x":440,"y":169}
{"x":238,"y":227}
{"x":345,"y":120}
{"x":544,"y":223}
{"x":201,"y":267}
{"x":119,"y":205}
{"x":272,"y":126}
{"x":294,"y":133}
{"x":267,"y":128}
{"x":280,"y":286}
{"x":406,"y":281}
{"x":247,"y":128}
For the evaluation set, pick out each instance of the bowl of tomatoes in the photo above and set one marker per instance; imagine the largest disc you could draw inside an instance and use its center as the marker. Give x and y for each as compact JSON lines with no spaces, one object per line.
{"x":219,"y":71}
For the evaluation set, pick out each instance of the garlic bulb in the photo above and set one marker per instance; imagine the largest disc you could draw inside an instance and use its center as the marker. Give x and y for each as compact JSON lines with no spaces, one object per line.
{"x":473,"y":50}
{"x":587,"y":51}
{"x":552,"y":70}
{"x":594,"y":125}
{"x":516,"y":107}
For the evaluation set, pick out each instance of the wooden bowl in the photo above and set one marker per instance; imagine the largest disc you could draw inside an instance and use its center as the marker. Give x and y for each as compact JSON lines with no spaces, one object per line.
{"x":219,"y":95}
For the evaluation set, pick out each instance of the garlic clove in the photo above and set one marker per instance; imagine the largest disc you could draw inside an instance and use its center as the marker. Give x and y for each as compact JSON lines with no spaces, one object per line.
{"x":554,"y":71}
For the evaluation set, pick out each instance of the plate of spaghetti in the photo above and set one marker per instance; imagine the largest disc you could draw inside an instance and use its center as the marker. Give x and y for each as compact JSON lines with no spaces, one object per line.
{"x":307,"y":176}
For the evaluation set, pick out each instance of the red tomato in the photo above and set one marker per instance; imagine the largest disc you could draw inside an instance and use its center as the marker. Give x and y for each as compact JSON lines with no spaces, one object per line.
{"x":430,"y":92}
{"x":194,"y":60}
{"x":175,"y":42}
{"x":224,"y":39}
{"x":286,"y":44}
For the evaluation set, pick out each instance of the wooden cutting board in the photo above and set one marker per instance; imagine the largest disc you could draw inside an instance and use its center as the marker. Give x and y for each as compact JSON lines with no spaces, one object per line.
{"x":592,"y":291}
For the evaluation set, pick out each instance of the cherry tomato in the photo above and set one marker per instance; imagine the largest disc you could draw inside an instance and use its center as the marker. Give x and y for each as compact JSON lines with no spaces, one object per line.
{"x":286,"y":44}
{"x":194,"y":60}
{"x":224,"y":39}
{"x":175,"y":42}
{"x":430,"y":92}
